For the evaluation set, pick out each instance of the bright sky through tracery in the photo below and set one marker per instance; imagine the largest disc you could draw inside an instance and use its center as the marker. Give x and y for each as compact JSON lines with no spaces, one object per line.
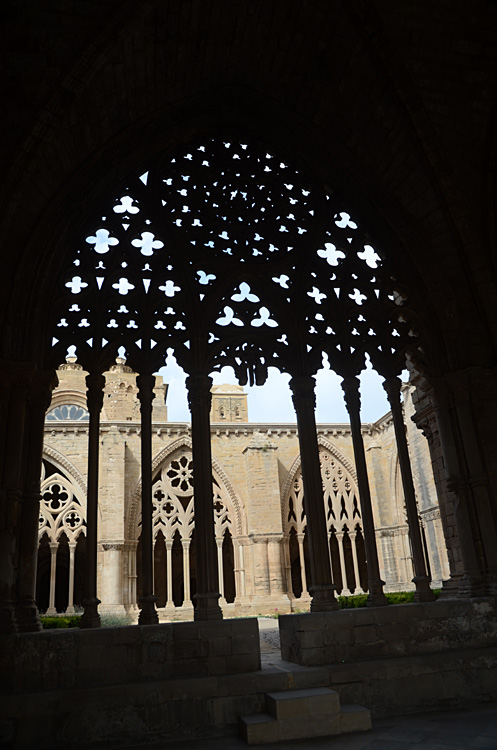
{"x":272,"y":402}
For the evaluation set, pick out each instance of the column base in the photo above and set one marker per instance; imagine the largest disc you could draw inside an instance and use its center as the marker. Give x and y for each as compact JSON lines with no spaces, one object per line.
{"x":376,"y":596}
{"x":323,"y":598}
{"x":7,"y":619}
{"x":27,"y":617}
{"x":471,"y":585}
{"x":90,"y":617}
{"x":207,"y":607}
{"x":423,"y":591}
{"x":148,"y":612}
{"x":51,"y":612}
{"x":450,"y":587}
{"x":491,"y":583}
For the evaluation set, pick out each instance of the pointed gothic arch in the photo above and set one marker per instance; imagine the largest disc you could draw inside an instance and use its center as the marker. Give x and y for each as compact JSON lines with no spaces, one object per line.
{"x":343,"y":520}
{"x":173,"y":528}
{"x":184,"y":442}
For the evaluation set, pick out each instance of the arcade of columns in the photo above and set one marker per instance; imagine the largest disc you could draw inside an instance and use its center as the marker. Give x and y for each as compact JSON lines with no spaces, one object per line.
{"x":258,"y":570}
{"x":189,"y":275}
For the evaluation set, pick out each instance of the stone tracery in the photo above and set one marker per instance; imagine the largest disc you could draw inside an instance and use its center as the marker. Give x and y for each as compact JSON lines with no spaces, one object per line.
{"x":230,"y":255}
{"x":343,"y":517}
{"x":62,"y":517}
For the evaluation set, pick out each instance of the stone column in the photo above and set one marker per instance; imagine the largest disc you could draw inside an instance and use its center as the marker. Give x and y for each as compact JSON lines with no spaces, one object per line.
{"x":148,"y":614}
{"x":185,"y":543}
{"x":38,"y":402}
{"x":352,"y":537}
{"x":376,"y":597}
{"x":472,"y":582}
{"x":10,"y":500}
{"x":421,"y":579}
{"x":345,"y":583}
{"x":275,"y":553}
{"x":95,"y":384}
{"x":239,"y":569}
{"x":169,"y":573}
{"x":322,"y":588}
{"x":207,"y":596}
{"x":54,"y":546}
{"x":288,"y":566}
{"x":131,"y":547}
{"x":220,"y":566}
{"x":112,"y":576}
{"x":469,"y":389}
{"x":303,"y":576}
{"x":70,"y":592}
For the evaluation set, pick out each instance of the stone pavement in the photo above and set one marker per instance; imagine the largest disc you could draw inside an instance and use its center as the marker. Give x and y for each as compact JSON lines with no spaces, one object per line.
{"x":462,"y":729}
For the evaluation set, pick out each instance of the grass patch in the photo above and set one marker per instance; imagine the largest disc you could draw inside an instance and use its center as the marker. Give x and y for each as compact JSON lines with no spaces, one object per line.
{"x":397,"y":597}
{"x":108,"y":620}
{"x":60,"y":621}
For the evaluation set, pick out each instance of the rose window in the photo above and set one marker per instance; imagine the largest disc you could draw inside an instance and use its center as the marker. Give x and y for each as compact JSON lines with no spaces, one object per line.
{"x":181,"y":475}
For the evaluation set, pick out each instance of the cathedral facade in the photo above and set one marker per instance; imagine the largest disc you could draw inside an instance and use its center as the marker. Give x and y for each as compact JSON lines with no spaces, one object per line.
{"x":260,"y":522}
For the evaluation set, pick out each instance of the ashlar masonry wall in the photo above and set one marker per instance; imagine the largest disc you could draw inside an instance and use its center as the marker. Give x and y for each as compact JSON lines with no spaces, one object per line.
{"x":257,"y":465}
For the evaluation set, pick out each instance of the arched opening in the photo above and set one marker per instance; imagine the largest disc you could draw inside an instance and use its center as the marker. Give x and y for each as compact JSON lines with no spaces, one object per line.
{"x":43,"y":577}
{"x":160,"y":572}
{"x":262,"y":266}
{"x":228,"y":568}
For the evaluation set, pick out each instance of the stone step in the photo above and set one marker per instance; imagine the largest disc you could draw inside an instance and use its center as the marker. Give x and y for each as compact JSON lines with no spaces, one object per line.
{"x":298,"y":714}
{"x":291,"y":704}
{"x":259,"y":729}
{"x":354,"y":718}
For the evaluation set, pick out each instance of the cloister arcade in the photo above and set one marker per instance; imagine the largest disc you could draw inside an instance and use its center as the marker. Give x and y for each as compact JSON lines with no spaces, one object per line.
{"x":228,"y":254}
{"x":251,"y":185}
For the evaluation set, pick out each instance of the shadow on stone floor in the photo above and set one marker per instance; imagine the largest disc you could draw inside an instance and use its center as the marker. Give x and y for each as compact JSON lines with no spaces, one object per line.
{"x":471,"y":728}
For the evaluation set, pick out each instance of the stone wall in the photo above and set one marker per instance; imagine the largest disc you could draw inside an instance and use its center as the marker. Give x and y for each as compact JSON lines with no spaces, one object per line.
{"x":256,"y":465}
{"x":352,"y":635}
{"x":52,"y":660}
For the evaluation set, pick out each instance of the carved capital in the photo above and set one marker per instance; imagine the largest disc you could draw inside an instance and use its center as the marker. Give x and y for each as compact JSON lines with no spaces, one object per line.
{"x":95,"y":384}
{"x":115,"y":546}
{"x":40,"y":392}
{"x":303,"y":395}
{"x":146,"y":384}
{"x":199,"y":392}
{"x":392,"y":387}
{"x":352,"y":395}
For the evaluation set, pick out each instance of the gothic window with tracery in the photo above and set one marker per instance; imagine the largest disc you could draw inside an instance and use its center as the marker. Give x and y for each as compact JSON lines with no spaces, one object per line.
{"x":173,"y":522}
{"x":61,"y":510}
{"x":62,"y":542}
{"x":344,"y":524}
{"x":71,"y":412}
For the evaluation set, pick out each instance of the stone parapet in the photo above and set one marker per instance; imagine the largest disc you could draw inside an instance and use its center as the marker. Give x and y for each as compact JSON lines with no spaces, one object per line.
{"x":59,"y":659}
{"x":385,"y":632}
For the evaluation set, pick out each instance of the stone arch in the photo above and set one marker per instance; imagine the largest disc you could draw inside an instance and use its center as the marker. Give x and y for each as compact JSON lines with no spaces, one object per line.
{"x":175,"y":136}
{"x":71,"y":396}
{"x":62,"y":462}
{"x":396,"y":489}
{"x":159,"y":460}
{"x":294,"y":469}
{"x":342,"y":476}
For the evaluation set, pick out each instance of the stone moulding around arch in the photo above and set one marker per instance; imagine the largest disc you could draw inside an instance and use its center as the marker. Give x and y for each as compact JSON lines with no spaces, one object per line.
{"x":158,"y":460}
{"x":335,"y":452}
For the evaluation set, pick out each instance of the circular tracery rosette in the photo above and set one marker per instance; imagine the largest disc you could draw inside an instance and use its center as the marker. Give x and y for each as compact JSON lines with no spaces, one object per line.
{"x":179,"y":476}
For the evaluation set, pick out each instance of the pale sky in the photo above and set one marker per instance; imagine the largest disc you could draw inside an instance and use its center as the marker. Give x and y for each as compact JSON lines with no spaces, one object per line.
{"x":272,"y":402}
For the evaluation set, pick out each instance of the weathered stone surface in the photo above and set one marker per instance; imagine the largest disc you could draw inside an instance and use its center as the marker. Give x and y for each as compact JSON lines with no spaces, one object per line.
{"x":382,"y":632}
{"x":354,"y":718}
{"x":56,"y":659}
